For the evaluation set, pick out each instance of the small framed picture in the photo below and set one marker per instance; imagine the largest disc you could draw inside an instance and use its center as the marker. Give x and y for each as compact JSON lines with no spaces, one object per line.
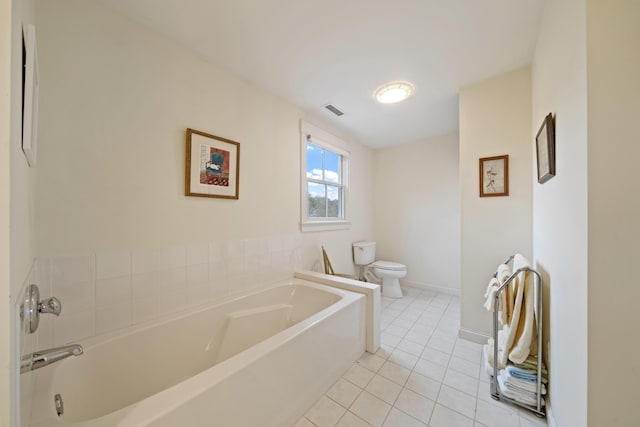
{"x":213,"y":166}
{"x":546,"y":150}
{"x":494,"y":176}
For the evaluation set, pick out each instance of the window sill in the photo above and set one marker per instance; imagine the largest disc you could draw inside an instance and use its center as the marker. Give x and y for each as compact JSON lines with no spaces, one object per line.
{"x":315,"y":226}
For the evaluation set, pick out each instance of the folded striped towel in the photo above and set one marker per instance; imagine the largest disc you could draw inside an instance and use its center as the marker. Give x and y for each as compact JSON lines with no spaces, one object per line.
{"x":522,"y":385}
{"x":522,"y":374}
{"x":531,"y":364}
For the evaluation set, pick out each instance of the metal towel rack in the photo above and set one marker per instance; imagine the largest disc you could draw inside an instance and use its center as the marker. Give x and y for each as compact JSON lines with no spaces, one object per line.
{"x":538,"y":409}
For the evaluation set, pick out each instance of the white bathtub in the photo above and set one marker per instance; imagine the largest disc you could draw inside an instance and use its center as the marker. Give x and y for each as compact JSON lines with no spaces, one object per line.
{"x":256,"y":360}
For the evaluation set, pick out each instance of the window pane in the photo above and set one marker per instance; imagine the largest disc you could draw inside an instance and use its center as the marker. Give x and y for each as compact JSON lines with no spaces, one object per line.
{"x":314,"y":161}
{"x":334,"y":202}
{"x":332,"y":167}
{"x":317,"y":200}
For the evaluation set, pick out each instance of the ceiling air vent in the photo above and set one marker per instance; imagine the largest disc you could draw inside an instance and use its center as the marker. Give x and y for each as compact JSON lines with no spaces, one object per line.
{"x":334,"y":110}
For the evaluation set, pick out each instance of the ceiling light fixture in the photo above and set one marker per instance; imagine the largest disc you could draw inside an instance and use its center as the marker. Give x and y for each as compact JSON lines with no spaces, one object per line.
{"x":390,"y":93}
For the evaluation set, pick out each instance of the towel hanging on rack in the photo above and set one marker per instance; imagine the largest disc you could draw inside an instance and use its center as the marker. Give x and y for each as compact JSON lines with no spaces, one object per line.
{"x":519,"y":337}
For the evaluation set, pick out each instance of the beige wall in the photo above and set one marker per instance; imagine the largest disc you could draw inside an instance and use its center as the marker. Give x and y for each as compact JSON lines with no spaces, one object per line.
{"x":495,"y":119}
{"x":560,"y":205}
{"x":417,"y":210}
{"x":115,"y":104}
{"x":19,"y":183}
{"x":5,"y":156}
{"x":613,"y":100}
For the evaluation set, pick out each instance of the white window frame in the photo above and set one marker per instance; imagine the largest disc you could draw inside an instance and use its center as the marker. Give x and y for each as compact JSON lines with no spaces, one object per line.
{"x":334,"y":144}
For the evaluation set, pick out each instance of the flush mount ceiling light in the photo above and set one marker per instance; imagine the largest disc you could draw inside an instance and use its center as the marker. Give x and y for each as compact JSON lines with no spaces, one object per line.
{"x":390,"y":93}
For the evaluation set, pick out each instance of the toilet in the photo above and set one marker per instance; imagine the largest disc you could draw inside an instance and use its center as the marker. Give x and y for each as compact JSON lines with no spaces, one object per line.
{"x":364,"y":255}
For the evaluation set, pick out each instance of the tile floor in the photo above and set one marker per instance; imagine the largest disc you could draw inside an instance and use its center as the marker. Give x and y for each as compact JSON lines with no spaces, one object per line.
{"x":423,"y":375}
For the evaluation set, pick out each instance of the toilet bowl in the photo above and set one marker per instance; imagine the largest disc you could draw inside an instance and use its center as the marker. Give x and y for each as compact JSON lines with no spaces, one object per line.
{"x":390,"y":273}
{"x":364,"y":254}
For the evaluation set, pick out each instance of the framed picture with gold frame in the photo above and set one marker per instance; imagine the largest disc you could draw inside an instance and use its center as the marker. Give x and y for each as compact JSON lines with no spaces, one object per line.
{"x":212,"y":166}
{"x":494,"y":176}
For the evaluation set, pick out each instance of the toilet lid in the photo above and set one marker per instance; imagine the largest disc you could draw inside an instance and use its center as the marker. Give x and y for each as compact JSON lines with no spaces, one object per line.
{"x":388,"y":265}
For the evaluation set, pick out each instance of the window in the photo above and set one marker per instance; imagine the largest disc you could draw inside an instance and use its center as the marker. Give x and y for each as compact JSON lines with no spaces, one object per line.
{"x":324,"y":181}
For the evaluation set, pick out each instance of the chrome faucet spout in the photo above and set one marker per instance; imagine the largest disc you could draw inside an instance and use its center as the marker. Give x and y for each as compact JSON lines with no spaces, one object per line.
{"x":40,"y":359}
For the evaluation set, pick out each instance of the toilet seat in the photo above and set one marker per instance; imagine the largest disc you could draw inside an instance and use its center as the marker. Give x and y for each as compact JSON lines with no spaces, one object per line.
{"x":388,"y":265}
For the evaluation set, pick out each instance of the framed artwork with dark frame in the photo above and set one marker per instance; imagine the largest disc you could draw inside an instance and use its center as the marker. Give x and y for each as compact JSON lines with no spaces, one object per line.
{"x":546,"y":150}
{"x":212,"y":166}
{"x":30,"y":94}
{"x":494,"y":176}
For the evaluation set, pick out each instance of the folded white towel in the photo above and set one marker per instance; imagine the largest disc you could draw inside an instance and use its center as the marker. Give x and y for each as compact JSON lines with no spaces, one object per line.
{"x":522,"y":397}
{"x":521,"y":385}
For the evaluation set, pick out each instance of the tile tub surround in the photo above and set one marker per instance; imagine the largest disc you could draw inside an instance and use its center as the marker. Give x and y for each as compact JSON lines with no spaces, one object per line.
{"x":104,"y":292}
{"x":423,"y":375}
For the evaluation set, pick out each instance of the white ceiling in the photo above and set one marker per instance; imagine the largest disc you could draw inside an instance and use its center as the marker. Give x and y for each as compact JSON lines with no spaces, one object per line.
{"x":313,"y":52}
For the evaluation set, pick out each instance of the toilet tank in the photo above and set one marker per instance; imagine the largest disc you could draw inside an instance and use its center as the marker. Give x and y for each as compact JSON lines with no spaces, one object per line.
{"x":364,"y":253}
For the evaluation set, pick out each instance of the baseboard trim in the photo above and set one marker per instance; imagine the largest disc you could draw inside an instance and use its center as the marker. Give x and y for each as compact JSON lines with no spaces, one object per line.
{"x":551,"y":422}
{"x":474,"y":336}
{"x":425,"y":286}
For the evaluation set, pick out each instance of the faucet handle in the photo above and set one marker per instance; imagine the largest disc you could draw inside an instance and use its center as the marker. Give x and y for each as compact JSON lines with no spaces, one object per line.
{"x":31,"y":308}
{"x":50,"y":305}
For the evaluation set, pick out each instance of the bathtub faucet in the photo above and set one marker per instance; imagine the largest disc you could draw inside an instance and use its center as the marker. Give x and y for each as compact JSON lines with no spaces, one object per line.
{"x":40,"y":359}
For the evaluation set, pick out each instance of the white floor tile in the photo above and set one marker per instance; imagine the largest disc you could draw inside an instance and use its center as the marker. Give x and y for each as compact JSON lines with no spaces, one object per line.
{"x":445,"y":336}
{"x":441,"y":344}
{"x":423,"y":328}
{"x":384,"y":351}
{"x":389,"y":339}
{"x":494,"y":416}
{"x":303,"y":422}
{"x":417,"y":337}
{"x":526,"y":422}
{"x":358,"y":375}
{"x":325,"y":413}
{"x":457,"y":401}
{"x":402,"y":358}
{"x":411,"y":347}
{"x":435,"y":356}
{"x":371,"y":361}
{"x":445,"y":417}
{"x":467,"y":354}
{"x":415,"y":405}
{"x":351,"y":420}
{"x":384,"y":389}
{"x":430,"y":369}
{"x":411,"y":314}
{"x":425,"y":386}
{"x":397,"y":418}
{"x":529,"y":419}
{"x":464,"y":366}
{"x":344,"y":392}
{"x":370,"y":408}
{"x":461,"y":382}
{"x":402,"y":323}
{"x":394,"y":372}
{"x":396,"y":330}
